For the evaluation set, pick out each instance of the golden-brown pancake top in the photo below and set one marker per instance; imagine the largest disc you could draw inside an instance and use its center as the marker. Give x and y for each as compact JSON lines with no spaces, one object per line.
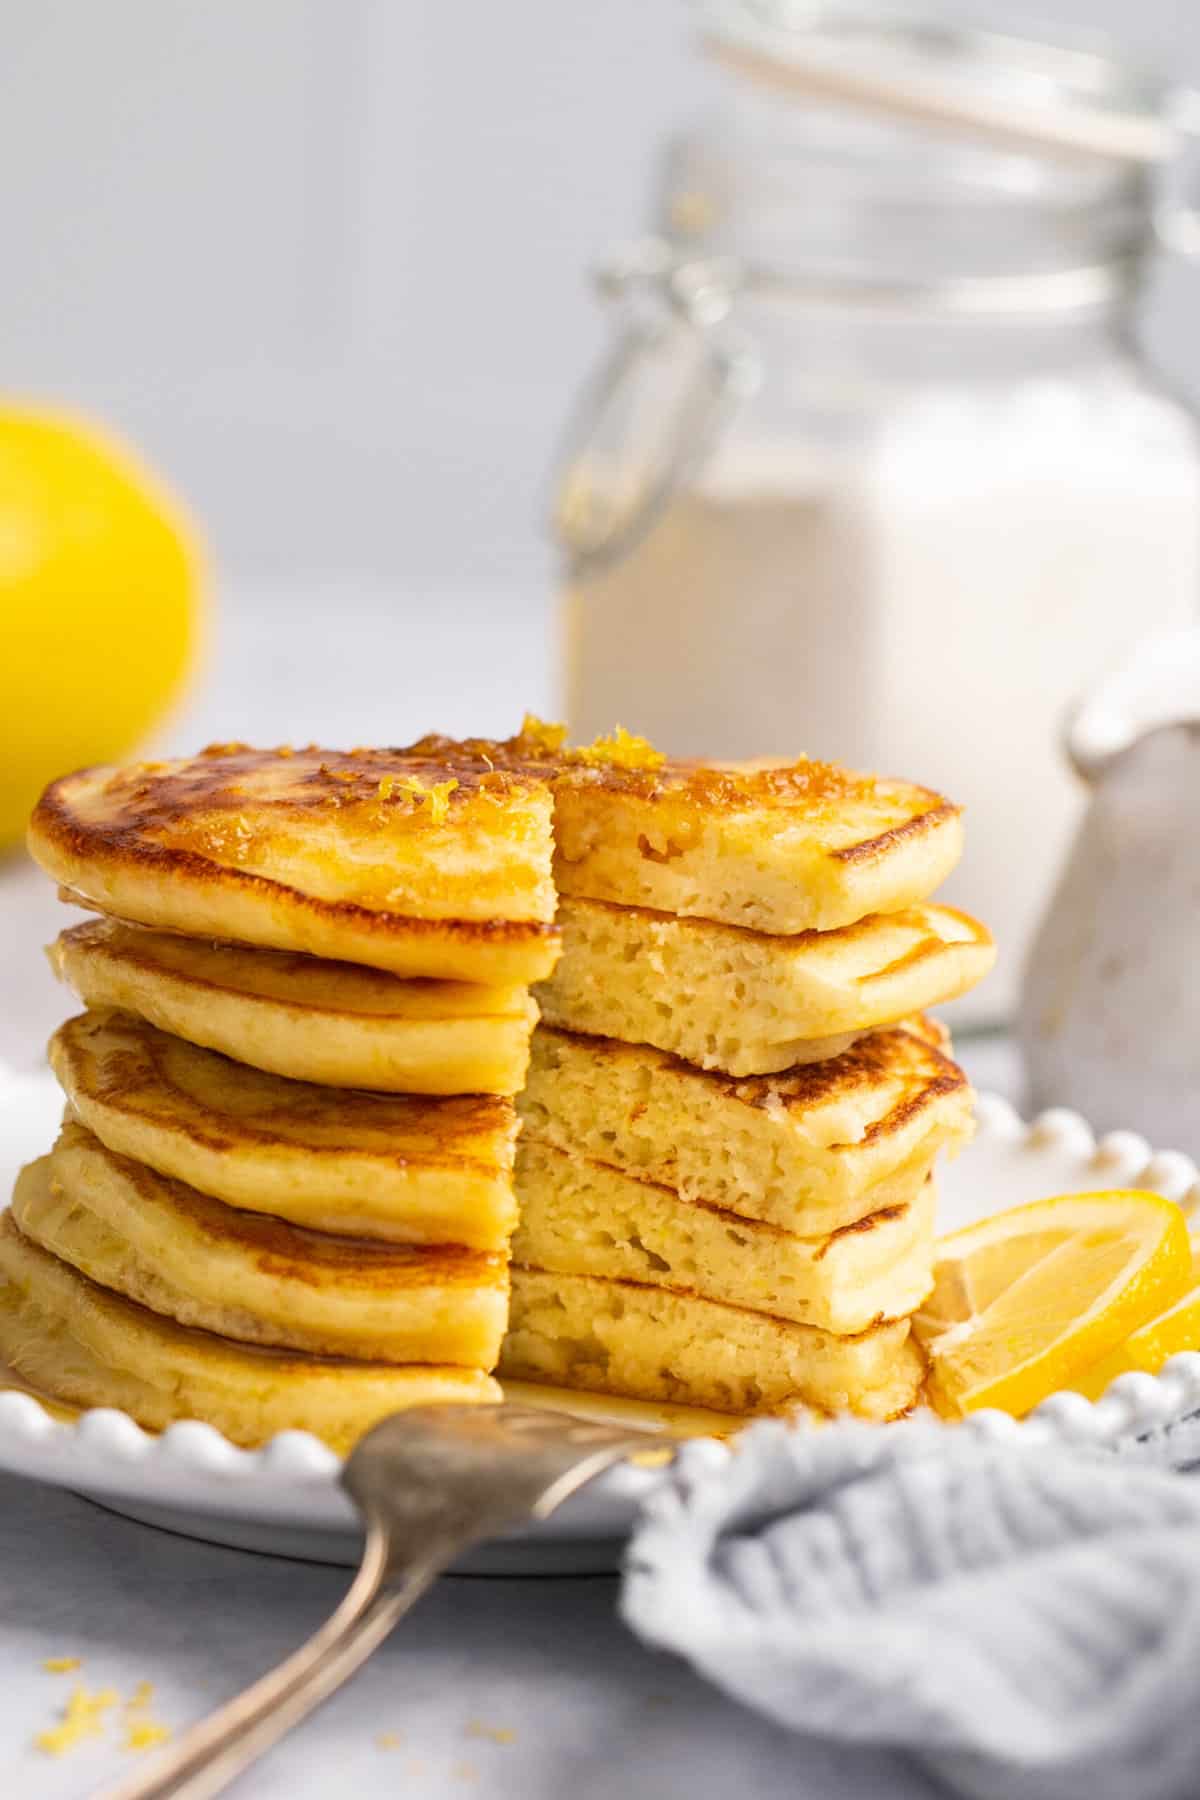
{"x":82,"y":1167}
{"x":361,"y":856}
{"x":125,"y":1063}
{"x":223,"y":780}
{"x":210,"y":793}
{"x":625,"y":764}
{"x":333,"y":852}
{"x":363,"y":826}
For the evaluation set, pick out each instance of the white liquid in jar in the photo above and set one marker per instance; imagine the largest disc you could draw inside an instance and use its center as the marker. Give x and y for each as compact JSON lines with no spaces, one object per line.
{"x":927,"y":610}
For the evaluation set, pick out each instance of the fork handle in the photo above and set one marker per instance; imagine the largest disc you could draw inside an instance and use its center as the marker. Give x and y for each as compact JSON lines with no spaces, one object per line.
{"x":209,"y":1756}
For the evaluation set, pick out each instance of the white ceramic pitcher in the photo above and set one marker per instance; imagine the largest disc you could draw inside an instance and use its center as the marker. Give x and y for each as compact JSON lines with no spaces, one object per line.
{"x":1110,"y":1004}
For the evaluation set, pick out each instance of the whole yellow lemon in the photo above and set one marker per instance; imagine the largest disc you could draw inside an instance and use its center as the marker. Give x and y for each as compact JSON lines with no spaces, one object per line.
{"x":101,"y":581}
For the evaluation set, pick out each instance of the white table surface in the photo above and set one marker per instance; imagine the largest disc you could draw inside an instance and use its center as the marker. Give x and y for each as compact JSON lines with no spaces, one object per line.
{"x":590,"y":1713}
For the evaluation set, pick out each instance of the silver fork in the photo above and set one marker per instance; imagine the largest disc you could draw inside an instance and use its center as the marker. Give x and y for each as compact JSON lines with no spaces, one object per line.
{"x":429,"y":1483}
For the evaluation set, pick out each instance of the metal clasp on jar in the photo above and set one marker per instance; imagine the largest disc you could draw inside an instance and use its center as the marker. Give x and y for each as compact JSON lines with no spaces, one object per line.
{"x":676,"y":371}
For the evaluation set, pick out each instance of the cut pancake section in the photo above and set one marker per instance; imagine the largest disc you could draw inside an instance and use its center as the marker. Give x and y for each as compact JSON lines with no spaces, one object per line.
{"x":76,"y":1342}
{"x":394,"y":1167}
{"x":650,"y":1343}
{"x":366,"y":856}
{"x":580,"y":1217}
{"x":780,"y":847}
{"x":252,"y":1278}
{"x":339,"y":1024}
{"x":748,"y":1002}
{"x":283,"y":1194}
{"x":810,"y":1150}
{"x":803,"y":846}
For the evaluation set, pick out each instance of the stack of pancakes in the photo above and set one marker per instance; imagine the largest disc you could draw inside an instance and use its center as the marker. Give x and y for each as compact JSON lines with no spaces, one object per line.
{"x":282,"y":1195}
{"x":284,"y":1190}
{"x":725,"y":1168}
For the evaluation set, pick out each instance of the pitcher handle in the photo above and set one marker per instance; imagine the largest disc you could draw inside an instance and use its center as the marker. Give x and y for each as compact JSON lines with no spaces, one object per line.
{"x":1159,"y":685}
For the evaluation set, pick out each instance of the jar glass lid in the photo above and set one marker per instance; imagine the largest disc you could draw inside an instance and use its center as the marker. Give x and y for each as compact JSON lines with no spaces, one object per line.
{"x":906,"y":64}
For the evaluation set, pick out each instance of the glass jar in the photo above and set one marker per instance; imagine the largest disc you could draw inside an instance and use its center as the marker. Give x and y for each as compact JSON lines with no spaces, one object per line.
{"x":876,"y":472}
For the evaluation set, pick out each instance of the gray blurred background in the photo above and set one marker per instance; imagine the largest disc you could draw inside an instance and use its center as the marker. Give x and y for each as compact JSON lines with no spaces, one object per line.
{"x":324,"y":260}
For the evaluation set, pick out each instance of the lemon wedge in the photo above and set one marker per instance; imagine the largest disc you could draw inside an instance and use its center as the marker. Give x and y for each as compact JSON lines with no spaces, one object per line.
{"x":1025,"y":1301}
{"x":1174,"y":1329}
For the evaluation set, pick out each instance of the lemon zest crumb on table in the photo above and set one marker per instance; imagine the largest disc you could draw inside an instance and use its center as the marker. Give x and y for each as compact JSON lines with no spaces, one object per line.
{"x":498,"y":1734}
{"x":83,"y":1717}
{"x":145,"y":1734}
{"x":62,"y":1665}
{"x":141,"y":1731}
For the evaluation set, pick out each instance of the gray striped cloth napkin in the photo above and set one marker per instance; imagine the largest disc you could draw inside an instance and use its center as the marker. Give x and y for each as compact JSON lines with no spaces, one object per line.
{"x":1025,"y":1622}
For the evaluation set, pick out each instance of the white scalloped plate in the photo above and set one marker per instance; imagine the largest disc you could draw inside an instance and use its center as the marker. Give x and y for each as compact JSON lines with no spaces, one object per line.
{"x":285,"y":1499}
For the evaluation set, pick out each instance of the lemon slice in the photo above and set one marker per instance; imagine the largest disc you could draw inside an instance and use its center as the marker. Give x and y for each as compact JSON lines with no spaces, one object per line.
{"x":1025,"y":1301}
{"x":1148,"y":1348}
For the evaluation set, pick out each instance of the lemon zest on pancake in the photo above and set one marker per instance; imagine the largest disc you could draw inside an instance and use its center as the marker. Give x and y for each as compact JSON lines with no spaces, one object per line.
{"x":439,"y":799}
{"x":541,"y":734}
{"x":438,"y":795}
{"x":623,"y":750}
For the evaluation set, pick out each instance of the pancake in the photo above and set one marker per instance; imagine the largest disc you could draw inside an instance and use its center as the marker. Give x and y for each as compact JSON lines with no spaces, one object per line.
{"x":77,"y":1343}
{"x":810,"y":1150}
{"x":580,"y":1217}
{"x":256,"y":1279}
{"x":367,"y":856}
{"x":773,"y":845}
{"x":388,"y":1166}
{"x":747,"y":1002}
{"x":435,"y":859}
{"x":651,"y":1343}
{"x":335,"y":1023}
